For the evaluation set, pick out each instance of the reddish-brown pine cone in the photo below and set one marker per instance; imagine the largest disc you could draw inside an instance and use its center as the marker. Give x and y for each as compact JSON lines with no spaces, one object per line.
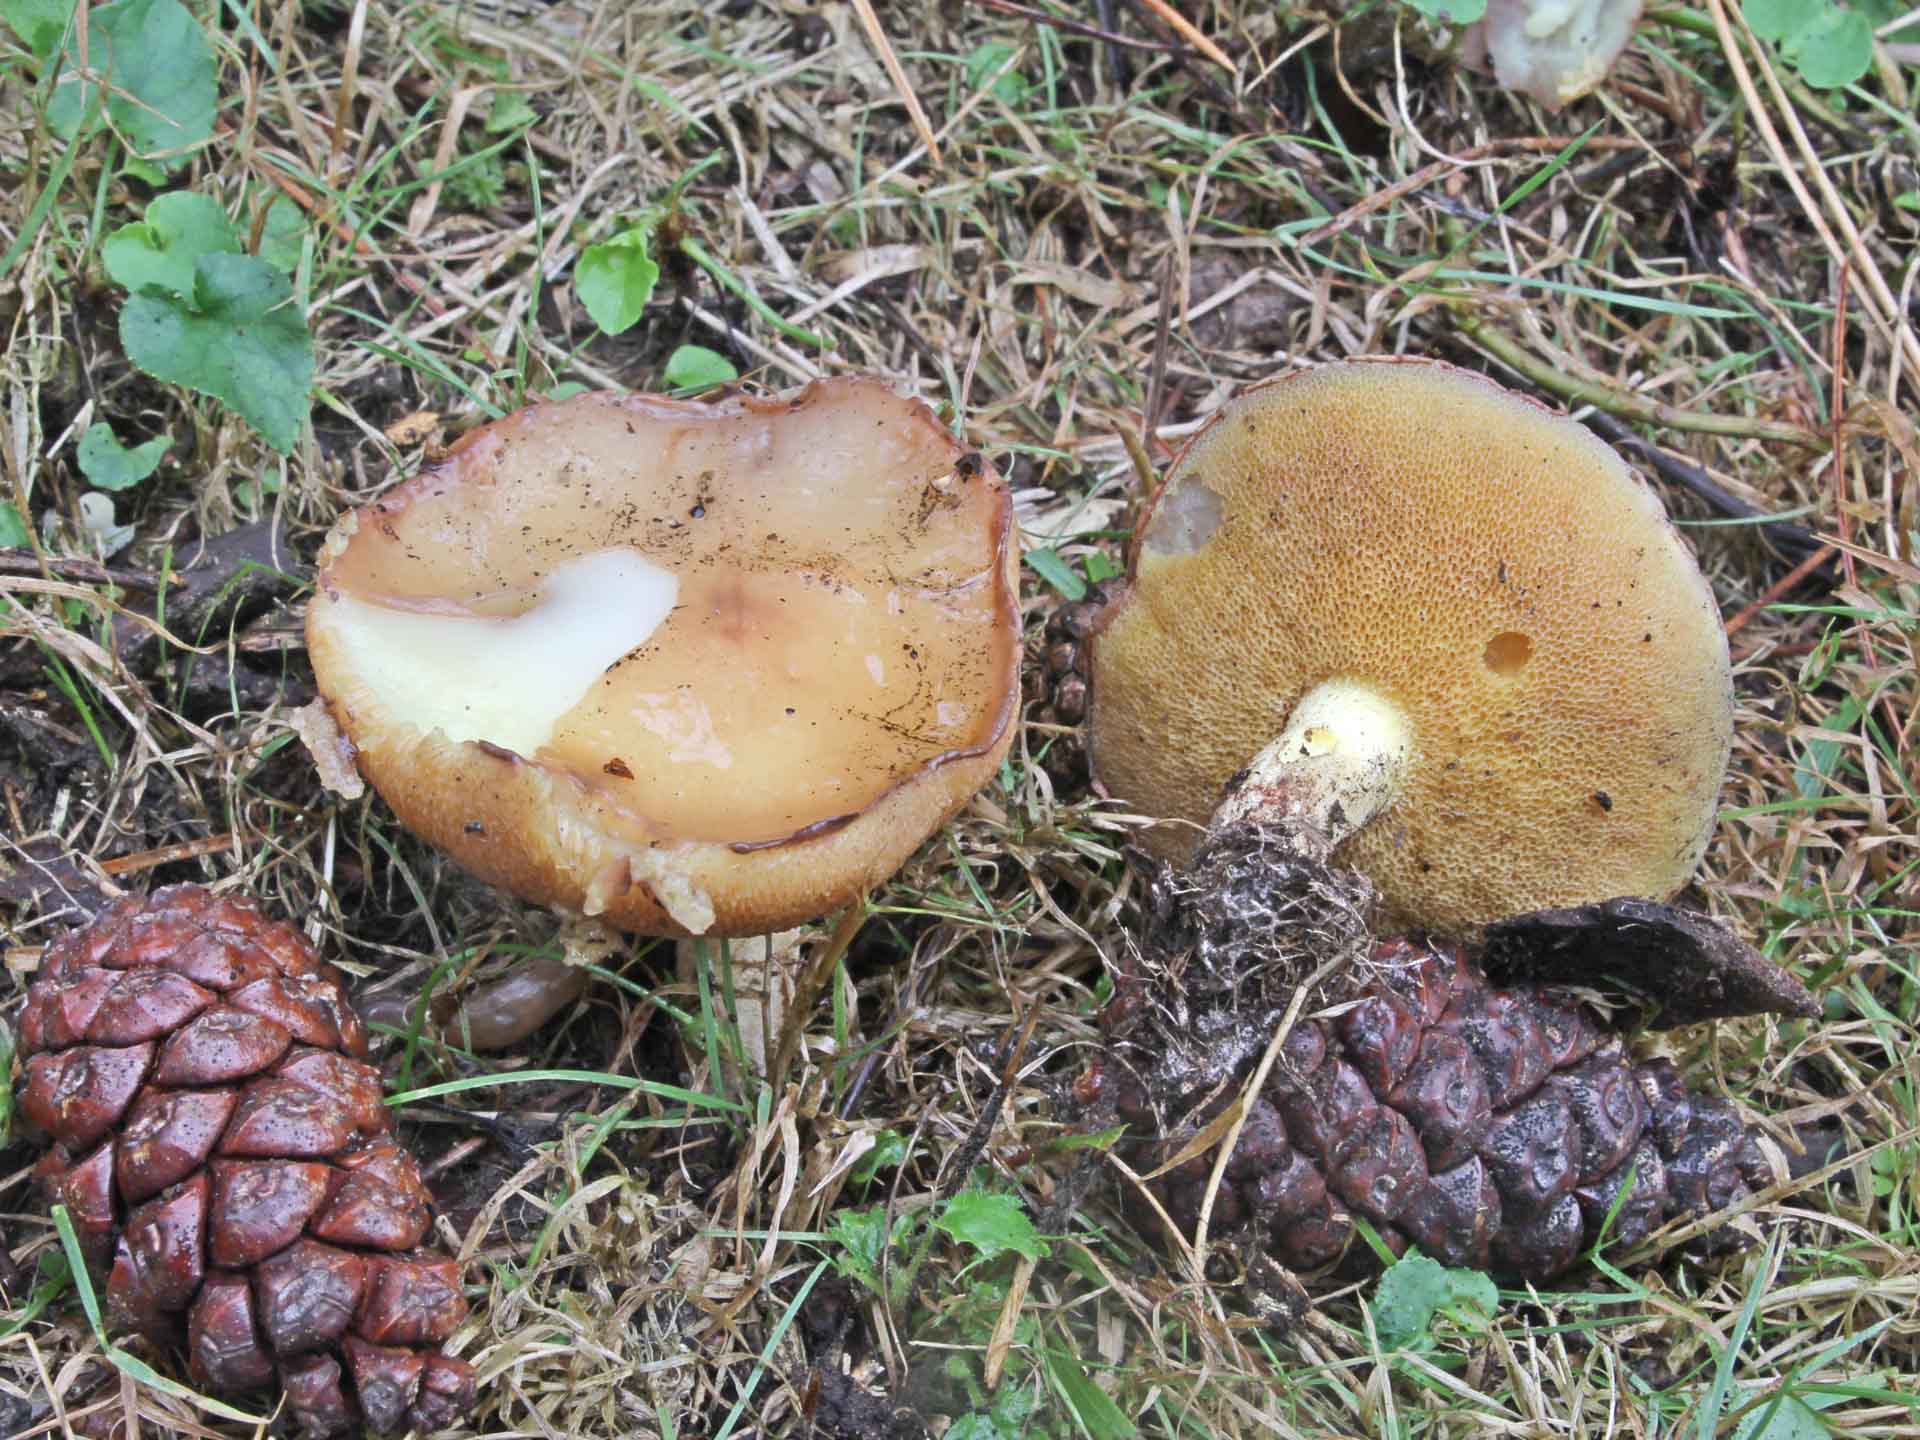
{"x":229,"y":1166}
{"x":1494,"y":1129}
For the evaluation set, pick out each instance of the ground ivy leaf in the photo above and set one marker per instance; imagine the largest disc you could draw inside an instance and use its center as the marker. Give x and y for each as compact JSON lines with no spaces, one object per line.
{"x":615,"y":280}
{"x":38,"y":23}
{"x":991,"y":1223}
{"x":242,"y":341}
{"x":694,"y":367}
{"x":161,"y":74}
{"x":1835,"y":49}
{"x":1775,"y":19}
{"x":1414,"y":1288}
{"x":13,"y":530}
{"x":284,"y":235}
{"x":160,"y":250}
{"x":109,"y":465}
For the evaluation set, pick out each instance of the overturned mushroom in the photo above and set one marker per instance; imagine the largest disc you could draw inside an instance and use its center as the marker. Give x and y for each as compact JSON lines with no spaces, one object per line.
{"x":692,"y":668}
{"x":1432,"y":620}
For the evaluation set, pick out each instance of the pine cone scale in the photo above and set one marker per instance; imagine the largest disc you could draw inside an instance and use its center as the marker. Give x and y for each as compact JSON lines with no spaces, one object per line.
{"x":78,"y":1095}
{"x":167,"y":1135}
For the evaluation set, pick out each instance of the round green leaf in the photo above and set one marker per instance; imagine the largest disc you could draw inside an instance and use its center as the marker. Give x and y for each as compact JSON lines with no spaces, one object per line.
{"x":1835,"y":49}
{"x":160,"y":251}
{"x":284,"y":235}
{"x":38,"y":23}
{"x":694,"y":367}
{"x":160,"y":77}
{"x":986,"y":60}
{"x":1777,"y":19}
{"x":109,"y":465}
{"x":615,"y":280}
{"x":1415,"y":1287}
{"x":243,"y":341}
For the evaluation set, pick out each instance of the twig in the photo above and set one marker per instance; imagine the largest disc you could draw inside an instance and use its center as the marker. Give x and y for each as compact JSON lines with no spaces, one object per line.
{"x":870,"y":22}
{"x":1191,"y":33}
{"x":167,"y":854}
{"x":1780,"y":587}
{"x":1576,"y":391}
{"x":21,"y":561}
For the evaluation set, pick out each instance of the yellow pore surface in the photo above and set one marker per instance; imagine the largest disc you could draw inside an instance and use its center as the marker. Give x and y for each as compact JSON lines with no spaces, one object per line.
{"x":835,"y":617}
{"x":1489,"y":565}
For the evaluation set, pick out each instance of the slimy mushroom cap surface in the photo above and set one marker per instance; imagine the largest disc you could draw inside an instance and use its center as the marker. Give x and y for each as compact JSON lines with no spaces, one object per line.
{"x":695,"y":668}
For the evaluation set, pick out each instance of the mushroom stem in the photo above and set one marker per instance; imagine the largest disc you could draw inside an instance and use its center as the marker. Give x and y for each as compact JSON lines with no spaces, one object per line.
{"x":1339,"y":762}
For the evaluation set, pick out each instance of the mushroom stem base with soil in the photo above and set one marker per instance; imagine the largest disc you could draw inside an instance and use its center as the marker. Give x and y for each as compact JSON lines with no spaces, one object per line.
{"x":1338,"y":763}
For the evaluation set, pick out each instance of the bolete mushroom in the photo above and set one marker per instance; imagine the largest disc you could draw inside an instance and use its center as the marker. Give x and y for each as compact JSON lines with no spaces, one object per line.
{"x":1435,"y":621}
{"x":693,"y":668}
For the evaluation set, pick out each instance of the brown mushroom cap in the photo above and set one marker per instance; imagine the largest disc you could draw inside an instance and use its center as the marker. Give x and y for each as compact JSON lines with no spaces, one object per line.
{"x":693,"y":668}
{"x":1482,"y":561}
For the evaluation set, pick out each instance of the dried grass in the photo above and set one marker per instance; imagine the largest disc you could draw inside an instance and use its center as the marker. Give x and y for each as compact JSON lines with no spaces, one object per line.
{"x":1705,"y":257}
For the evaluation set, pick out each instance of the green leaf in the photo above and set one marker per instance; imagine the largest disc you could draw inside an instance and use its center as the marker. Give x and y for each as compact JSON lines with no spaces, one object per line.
{"x":1004,"y":1419}
{"x":145,"y":171}
{"x":615,"y":280}
{"x":1092,"y":1407}
{"x":1781,"y":1418}
{"x":13,"y":530}
{"x":991,"y":1223}
{"x":284,"y":236}
{"x":694,"y":367}
{"x":1101,"y":566}
{"x":160,"y":75}
{"x":38,"y":23}
{"x":109,"y":465}
{"x":509,"y":111}
{"x":159,"y":251}
{"x":1011,"y":87}
{"x":1828,"y":45}
{"x":889,"y":1149}
{"x":1416,"y":1288}
{"x":242,"y":341}
{"x":1047,"y":564}
{"x":1777,"y":19}
{"x":861,"y":1237}
{"x":1450,"y":12}
{"x":1836,"y":50}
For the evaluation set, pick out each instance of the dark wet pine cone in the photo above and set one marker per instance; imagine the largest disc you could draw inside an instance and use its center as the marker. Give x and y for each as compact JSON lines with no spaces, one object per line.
{"x":1063,"y":660}
{"x":229,"y":1165}
{"x":1493,"y":1128}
